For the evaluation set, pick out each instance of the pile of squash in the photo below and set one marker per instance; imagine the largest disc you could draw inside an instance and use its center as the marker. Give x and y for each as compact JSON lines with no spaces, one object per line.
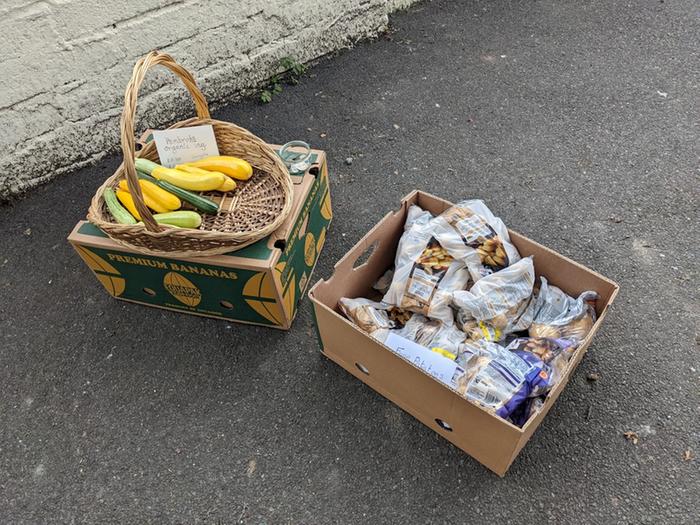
{"x":165,"y":189}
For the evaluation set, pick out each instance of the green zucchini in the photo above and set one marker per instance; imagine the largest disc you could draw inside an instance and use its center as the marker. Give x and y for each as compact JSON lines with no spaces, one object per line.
{"x":116,"y":209}
{"x":145,"y":165}
{"x":201,"y":203}
{"x":181,"y":219}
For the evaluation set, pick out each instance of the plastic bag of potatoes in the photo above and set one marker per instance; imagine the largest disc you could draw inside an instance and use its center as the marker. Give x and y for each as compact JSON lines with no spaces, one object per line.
{"x":374,"y":318}
{"x":498,"y":304}
{"x":528,"y":409}
{"x":425,"y":274}
{"x":470,"y":232}
{"x":560,"y":316}
{"x":432,"y":333}
{"x":556,"y":353}
{"x":382,"y":284}
{"x":500,"y":379}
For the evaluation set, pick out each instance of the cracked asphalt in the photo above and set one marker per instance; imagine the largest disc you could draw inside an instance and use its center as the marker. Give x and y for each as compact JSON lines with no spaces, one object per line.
{"x":575,"y":121}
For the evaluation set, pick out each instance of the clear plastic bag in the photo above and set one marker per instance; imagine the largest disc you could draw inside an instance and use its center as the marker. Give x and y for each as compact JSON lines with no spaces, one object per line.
{"x":425,"y":274}
{"x":526,"y":410}
{"x":560,"y":316}
{"x":367,"y":315}
{"x":499,"y":304}
{"x":470,"y":232}
{"x":432,"y":333}
{"x":374,"y":318}
{"x":556,"y":353}
{"x":382,"y":284}
{"x":499,"y":379}
{"x":416,"y":216}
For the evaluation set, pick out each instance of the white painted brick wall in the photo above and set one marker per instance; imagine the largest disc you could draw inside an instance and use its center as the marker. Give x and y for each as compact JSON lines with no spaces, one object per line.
{"x":64,"y":65}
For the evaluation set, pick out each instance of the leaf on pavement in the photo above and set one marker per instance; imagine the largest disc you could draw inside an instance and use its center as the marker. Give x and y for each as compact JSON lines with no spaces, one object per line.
{"x":631,"y":436}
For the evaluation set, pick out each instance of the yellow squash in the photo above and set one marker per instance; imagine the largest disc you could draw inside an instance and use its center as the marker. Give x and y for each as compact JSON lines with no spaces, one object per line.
{"x":228,"y":185}
{"x":182,"y":179}
{"x":231,"y":166}
{"x":155,"y":198}
{"x":167,"y":199}
{"x":126,"y":200}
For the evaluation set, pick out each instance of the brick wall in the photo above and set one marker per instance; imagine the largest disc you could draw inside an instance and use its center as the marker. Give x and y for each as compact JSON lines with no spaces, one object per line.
{"x":64,"y":65}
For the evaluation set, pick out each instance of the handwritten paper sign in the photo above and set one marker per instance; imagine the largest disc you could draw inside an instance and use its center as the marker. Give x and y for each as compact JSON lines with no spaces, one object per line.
{"x":176,"y":146}
{"x":443,"y":369}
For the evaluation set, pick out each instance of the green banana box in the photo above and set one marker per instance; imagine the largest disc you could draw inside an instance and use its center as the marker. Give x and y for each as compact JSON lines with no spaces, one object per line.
{"x":259,"y":284}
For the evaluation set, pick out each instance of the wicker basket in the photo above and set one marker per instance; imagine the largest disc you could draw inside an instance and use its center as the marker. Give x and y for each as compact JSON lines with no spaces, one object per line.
{"x":254,"y":210}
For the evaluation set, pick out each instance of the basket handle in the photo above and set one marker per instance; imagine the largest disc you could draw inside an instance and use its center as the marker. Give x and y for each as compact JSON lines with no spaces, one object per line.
{"x":153,"y":58}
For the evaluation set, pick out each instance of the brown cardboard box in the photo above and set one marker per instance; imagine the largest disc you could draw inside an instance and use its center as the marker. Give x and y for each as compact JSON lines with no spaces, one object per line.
{"x":489,"y":439}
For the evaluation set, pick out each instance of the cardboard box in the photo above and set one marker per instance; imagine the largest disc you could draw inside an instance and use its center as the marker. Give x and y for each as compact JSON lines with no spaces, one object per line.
{"x":259,"y":284}
{"x":489,"y":439}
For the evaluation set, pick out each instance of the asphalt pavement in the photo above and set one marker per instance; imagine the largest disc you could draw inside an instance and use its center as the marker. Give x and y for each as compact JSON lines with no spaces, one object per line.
{"x":575,"y":121}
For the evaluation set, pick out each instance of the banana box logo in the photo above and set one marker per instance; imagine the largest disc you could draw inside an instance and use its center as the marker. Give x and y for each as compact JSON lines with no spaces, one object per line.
{"x":326,"y":210}
{"x":321,"y":240}
{"x":309,"y":249}
{"x":182,"y":289}
{"x":107,"y":274}
{"x":259,"y":294}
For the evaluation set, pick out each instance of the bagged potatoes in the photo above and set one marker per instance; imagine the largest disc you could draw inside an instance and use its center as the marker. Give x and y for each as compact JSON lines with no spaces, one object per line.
{"x":432,"y":333}
{"x":560,"y":316}
{"x":526,"y":410}
{"x":498,"y":304}
{"x":555,"y":353}
{"x":470,"y":232}
{"x":425,"y":274}
{"x":499,"y":379}
{"x":374,"y":318}
{"x":382,"y":284}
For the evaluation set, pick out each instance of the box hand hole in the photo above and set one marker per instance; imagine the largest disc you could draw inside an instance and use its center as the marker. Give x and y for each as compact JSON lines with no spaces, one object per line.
{"x":362,"y":368}
{"x":364,"y":257}
{"x":150,"y":292}
{"x":443,"y":424}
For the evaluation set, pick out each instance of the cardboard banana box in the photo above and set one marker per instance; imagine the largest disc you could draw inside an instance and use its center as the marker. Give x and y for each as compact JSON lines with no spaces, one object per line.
{"x":259,"y":284}
{"x":489,"y":439}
